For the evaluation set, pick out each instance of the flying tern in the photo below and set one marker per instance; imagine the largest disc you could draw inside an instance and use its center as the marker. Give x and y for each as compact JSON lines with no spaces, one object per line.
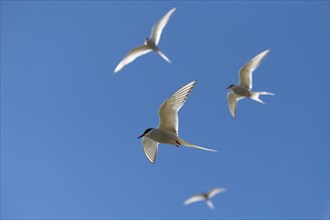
{"x":150,"y":44}
{"x":205,"y":197}
{"x":244,"y":88}
{"x":167,"y":131}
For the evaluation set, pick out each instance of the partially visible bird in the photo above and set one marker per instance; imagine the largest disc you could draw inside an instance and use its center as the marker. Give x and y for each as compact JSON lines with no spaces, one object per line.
{"x":244,"y":88}
{"x":205,"y":197}
{"x":167,"y":131}
{"x":150,"y":44}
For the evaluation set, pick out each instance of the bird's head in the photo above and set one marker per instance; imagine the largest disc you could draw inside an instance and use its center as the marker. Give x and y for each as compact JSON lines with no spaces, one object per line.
{"x":145,"y":132}
{"x":146,"y":41}
{"x":230,"y":86}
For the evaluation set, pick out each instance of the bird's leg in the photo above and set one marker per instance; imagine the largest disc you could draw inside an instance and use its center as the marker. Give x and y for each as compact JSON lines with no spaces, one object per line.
{"x":177,"y":143}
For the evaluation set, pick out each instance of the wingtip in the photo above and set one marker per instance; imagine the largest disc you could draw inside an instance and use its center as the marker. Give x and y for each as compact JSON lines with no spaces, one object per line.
{"x":116,"y":70}
{"x":195,"y":82}
{"x":266,"y":52}
{"x":152,"y":161}
{"x":174,"y":9}
{"x":192,"y":83}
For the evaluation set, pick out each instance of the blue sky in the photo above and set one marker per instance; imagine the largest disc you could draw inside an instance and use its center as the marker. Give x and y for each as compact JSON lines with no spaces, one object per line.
{"x":69,"y":125}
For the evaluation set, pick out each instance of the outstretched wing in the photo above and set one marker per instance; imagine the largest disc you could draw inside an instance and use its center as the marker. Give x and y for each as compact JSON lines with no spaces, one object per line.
{"x":150,"y":148}
{"x":194,"y":198}
{"x":132,"y":55}
{"x":157,"y":29}
{"x":168,"y":111}
{"x":232,"y":102}
{"x":215,"y":191}
{"x":245,"y":74}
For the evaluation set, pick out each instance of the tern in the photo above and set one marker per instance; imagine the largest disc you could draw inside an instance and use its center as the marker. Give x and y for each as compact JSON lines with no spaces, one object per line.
{"x":167,"y":131}
{"x":205,"y":197}
{"x":243,"y":89}
{"x":150,"y":44}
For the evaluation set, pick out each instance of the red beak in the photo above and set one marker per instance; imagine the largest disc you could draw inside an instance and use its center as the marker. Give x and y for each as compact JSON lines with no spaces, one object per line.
{"x":140,"y":136}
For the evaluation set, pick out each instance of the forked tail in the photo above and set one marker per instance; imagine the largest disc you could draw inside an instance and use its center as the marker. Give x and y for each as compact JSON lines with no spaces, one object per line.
{"x":255,"y":96}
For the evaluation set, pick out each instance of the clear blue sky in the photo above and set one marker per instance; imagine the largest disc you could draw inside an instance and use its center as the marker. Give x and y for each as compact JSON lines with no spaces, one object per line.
{"x":69,"y":125}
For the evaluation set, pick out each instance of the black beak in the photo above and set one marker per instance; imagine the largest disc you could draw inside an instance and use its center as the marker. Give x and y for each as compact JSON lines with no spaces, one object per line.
{"x":140,"y":136}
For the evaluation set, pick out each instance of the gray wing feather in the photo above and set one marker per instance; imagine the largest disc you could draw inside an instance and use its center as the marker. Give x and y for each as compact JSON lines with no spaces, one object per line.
{"x":168,"y":111}
{"x":215,"y":191}
{"x":132,"y":55}
{"x":194,"y":198}
{"x":245,"y":73}
{"x":157,"y":29}
{"x":232,"y":102}
{"x":150,"y":148}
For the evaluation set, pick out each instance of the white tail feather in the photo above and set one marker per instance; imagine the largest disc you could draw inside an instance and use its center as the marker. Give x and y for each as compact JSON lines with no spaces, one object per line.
{"x":163,"y":56}
{"x":210,"y":204}
{"x":255,"y":96}
{"x":185,"y":143}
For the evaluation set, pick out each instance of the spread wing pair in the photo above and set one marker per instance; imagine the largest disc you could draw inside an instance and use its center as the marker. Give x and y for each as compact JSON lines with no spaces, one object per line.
{"x":168,"y":118}
{"x":244,"y":87}
{"x":168,"y":128}
{"x":205,"y":197}
{"x":150,"y":44}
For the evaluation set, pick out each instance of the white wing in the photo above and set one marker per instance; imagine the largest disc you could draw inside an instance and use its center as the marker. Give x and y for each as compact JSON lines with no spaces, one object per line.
{"x":168,"y":111}
{"x":132,"y":55}
{"x":215,"y":191}
{"x":157,"y":29}
{"x":195,"y":198}
{"x":232,"y":102}
{"x":150,"y":148}
{"x":246,"y":71}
